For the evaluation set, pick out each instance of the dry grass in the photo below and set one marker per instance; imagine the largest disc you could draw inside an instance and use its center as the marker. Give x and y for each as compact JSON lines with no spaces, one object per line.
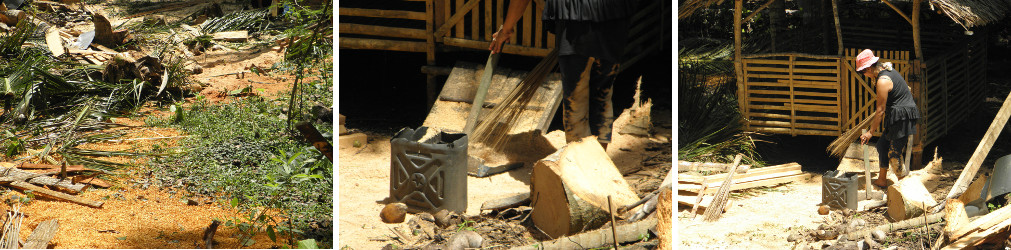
{"x":838,"y":147}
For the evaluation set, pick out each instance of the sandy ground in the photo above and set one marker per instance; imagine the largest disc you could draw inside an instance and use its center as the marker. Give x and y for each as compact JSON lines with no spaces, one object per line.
{"x":759,"y":219}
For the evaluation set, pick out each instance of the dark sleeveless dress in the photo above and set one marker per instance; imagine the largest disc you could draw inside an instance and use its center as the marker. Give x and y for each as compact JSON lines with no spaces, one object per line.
{"x":901,"y":113}
{"x":595,"y":28}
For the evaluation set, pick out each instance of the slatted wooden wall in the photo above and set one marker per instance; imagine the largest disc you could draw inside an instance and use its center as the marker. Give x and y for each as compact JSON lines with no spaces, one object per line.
{"x":954,"y":87}
{"x":860,"y":91}
{"x":479,"y":19}
{"x":792,"y":93}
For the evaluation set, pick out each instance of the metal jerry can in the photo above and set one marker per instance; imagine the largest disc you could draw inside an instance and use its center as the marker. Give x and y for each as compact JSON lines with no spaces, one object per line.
{"x":429,"y":175}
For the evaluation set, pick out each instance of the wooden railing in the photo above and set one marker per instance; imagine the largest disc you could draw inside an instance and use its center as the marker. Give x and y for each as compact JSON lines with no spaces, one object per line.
{"x":955,"y":88}
{"x":792,"y":93}
{"x":859,"y":90}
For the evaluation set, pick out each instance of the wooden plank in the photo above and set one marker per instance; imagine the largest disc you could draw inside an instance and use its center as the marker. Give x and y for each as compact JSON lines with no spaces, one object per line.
{"x":462,"y":12}
{"x":398,"y":14}
{"x":538,"y":23}
{"x":43,"y":233}
{"x":380,"y":44}
{"x":475,"y":23}
{"x":488,"y":28}
{"x":50,"y":193}
{"x":374,"y":30}
{"x":738,"y":63}
{"x":506,"y":48}
{"x":528,"y":17}
{"x":752,"y":184}
{"x":981,"y":150}
{"x":718,"y":178}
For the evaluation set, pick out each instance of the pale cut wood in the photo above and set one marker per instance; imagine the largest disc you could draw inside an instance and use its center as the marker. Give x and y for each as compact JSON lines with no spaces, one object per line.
{"x":39,"y":239}
{"x":598,"y":238}
{"x":752,"y":184}
{"x":744,"y":170}
{"x":908,"y":198}
{"x":54,"y":43}
{"x":569,"y":188}
{"x":867,"y":158}
{"x":507,"y":202}
{"x":231,"y":36}
{"x":754,"y":175}
{"x":974,"y":191}
{"x":982,"y":150}
{"x":983,"y":223}
{"x":954,"y":215}
{"x":979,"y":237}
{"x":706,"y":166}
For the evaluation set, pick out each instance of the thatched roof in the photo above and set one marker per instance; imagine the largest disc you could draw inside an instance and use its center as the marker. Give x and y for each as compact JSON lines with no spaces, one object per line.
{"x":969,"y":13}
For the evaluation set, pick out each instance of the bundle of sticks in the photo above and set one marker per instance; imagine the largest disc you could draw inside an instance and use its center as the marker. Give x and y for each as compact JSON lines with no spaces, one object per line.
{"x":492,"y":131}
{"x":838,"y":147}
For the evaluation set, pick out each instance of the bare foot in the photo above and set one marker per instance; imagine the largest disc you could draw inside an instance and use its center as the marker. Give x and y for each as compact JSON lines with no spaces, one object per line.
{"x":881,"y":183}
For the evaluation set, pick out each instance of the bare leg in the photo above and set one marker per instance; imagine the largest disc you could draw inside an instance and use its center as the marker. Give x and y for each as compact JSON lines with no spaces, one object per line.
{"x":882,"y":180}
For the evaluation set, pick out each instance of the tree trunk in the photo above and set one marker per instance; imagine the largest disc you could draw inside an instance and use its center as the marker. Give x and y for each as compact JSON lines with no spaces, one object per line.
{"x":908,"y":198}
{"x":569,"y":189}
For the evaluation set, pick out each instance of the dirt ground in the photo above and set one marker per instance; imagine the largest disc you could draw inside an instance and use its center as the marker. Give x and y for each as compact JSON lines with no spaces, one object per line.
{"x":134,"y":215}
{"x":365,"y":172}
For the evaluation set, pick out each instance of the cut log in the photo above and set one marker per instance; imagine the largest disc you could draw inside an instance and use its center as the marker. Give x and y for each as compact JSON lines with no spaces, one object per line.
{"x":569,"y":189}
{"x":39,"y":239}
{"x":507,"y":202}
{"x":598,"y":238}
{"x":954,"y":215}
{"x":908,"y":198}
{"x":973,"y":239}
{"x":54,"y":43}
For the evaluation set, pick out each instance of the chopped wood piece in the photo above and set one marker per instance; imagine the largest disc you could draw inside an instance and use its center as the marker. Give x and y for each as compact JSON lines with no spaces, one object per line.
{"x":598,"y":238}
{"x":54,"y":43}
{"x":39,"y":239}
{"x":507,"y":202}
{"x":954,"y":215}
{"x":908,"y":198}
{"x":983,"y":223}
{"x":569,"y":188}
{"x":707,"y":166}
{"x":232,"y":36}
{"x":975,"y":190}
{"x":992,"y":227}
{"x":317,"y":139}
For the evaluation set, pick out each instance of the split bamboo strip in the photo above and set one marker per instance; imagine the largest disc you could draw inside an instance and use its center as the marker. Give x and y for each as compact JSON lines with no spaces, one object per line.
{"x":398,"y":14}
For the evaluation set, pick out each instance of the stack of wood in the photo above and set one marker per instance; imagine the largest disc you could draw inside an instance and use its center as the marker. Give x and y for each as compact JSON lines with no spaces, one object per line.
{"x":61,"y":184}
{"x":348,"y":140}
{"x":695,"y":190}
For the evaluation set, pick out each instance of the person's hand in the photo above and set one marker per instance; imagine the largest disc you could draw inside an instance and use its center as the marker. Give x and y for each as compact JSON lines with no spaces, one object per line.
{"x":500,"y":37}
{"x":865,"y":137}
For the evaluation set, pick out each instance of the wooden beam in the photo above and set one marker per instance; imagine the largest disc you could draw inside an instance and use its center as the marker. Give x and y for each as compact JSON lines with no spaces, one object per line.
{"x":760,"y":8}
{"x":506,"y":48}
{"x":838,"y":27}
{"x":399,"y":14}
{"x":385,"y":31}
{"x":43,"y":233}
{"x":381,"y":44}
{"x":904,"y":16}
{"x":460,"y":13}
{"x":981,"y":151}
{"x":46,"y":192}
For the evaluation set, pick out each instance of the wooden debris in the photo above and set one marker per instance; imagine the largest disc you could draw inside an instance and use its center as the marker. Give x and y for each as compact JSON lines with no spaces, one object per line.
{"x":39,"y":239}
{"x":598,"y":238}
{"x":209,"y":234}
{"x":12,"y":17}
{"x":104,"y":34}
{"x":231,"y":36}
{"x":317,"y":139}
{"x":981,"y":151}
{"x":569,"y":188}
{"x":982,"y":224}
{"x":975,"y":190}
{"x":507,"y":202}
{"x":767,"y":176}
{"x":21,"y":185}
{"x":13,"y":174}
{"x":954,"y":215}
{"x":981,"y":231}
{"x":686,"y":166}
{"x":54,"y":43}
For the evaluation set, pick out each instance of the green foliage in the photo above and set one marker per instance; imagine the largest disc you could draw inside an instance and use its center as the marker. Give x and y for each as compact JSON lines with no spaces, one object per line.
{"x":465,"y":226}
{"x":709,"y":122}
{"x":251,"y":20}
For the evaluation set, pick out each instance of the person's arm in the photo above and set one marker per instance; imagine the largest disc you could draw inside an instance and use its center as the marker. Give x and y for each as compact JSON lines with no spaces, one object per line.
{"x":883,"y":87}
{"x":516,"y":8}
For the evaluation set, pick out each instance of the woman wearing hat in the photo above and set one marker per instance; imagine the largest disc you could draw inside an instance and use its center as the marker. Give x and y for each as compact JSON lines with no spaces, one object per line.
{"x":895,"y":106}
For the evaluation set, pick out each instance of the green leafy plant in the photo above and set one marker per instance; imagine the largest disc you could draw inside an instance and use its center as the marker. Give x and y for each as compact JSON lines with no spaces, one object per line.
{"x":465,"y":226}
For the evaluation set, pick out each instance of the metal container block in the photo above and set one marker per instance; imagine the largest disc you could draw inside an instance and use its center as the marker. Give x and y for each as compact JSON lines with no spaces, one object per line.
{"x":429,"y":175}
{"x":840,"y":192}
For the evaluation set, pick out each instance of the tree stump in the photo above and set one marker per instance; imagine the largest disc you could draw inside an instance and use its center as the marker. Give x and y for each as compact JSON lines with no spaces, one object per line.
{"x":908,"y":198}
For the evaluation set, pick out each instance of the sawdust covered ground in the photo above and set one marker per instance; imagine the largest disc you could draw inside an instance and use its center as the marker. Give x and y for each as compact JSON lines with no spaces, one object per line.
{"x":132,"y":216}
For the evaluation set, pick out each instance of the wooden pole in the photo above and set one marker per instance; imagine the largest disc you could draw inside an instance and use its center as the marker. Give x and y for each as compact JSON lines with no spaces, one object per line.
{"x":482,"y":90}
{"x":431,"y":86}
{"x":867,"y":167}
{"x":614,"y":230}
{"x":738,"y":65}
{"x":904,"y":16}
{"x":760,"y":8}
{"x":838,"y":30}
